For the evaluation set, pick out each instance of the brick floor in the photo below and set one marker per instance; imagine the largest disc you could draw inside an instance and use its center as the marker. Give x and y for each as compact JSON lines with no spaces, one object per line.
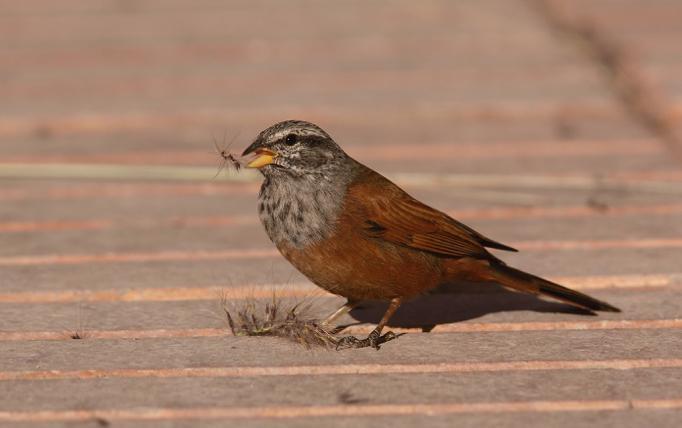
{"x":508,"y":114}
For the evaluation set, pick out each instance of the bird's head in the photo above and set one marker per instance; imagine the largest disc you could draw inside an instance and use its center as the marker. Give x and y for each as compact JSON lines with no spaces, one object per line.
{"x":295,"y":148}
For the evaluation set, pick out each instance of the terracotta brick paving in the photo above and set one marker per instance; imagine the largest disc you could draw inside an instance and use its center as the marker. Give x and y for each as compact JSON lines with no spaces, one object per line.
{"x":508,"y":114}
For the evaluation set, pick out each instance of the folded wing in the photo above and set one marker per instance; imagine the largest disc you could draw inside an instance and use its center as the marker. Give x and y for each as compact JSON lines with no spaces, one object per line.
{"x":393,"y":215}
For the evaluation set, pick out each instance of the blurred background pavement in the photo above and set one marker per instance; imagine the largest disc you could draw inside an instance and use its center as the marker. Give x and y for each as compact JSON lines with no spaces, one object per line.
{"x":552,"y":125}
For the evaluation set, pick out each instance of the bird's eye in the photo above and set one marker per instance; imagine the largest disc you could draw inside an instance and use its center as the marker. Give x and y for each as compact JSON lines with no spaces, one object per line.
{"x":291,"y":139}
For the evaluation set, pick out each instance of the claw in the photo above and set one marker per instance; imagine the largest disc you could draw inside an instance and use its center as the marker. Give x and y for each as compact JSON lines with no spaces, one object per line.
{"x":347,"y":342}
{"x":374,"y":340}
{"x":390,"y":336}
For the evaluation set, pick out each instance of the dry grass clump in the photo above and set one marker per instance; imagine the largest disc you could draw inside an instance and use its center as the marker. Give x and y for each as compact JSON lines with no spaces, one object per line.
{"x":293,"y":321}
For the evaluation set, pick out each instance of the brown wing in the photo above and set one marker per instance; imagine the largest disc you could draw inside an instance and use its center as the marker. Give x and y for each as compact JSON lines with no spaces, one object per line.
{"x":388,"y":213}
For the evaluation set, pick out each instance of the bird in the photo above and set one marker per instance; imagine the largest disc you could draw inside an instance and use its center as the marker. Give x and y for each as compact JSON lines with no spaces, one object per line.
{"x":356,"y":234}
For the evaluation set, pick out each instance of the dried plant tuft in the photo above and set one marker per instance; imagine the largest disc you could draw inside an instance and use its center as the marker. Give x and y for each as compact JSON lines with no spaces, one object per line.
{"x":293,"y":321}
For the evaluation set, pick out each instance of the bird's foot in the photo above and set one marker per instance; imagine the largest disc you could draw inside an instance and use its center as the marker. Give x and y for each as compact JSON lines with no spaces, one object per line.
{"x":374,"y":340}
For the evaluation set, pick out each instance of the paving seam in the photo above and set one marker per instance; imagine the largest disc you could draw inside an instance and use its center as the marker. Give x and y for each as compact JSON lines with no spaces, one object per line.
{"x":87,"y":334}
{"x":303,"y":289}
{"x":353,"y":410}
{"x":489,"y":214}
{"x":345,"y":369}
{"x":241,"y":254}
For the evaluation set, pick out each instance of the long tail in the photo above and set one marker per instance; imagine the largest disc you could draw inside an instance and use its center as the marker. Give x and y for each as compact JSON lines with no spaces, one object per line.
{"x":522,"y":281}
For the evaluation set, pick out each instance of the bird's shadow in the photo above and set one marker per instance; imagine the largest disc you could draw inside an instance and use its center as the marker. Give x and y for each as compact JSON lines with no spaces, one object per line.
{"x":459,"y":302}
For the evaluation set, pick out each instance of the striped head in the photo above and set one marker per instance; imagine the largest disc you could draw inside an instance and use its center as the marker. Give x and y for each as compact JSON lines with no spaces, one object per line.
{"x":295,"y":148}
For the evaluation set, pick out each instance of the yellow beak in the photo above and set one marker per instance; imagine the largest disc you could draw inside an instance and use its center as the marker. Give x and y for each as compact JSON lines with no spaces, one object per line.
{"x":264,"y":157}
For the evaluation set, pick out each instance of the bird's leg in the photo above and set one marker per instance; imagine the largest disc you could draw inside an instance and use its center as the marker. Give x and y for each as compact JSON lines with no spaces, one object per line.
{"x":375,"y":339}
{"x":343,"y":310}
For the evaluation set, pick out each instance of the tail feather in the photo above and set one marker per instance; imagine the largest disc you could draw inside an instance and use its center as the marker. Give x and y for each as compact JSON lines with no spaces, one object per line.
{"x":523,"y":281}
